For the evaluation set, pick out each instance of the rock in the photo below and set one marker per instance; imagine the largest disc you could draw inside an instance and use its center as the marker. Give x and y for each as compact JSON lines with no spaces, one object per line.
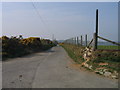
{"x":86,"y":49}
{"x":101,"y":72}
{"x":89,"y":54}
{"x":107,"y":74}
{"x":113,"y":76}
{"x":91,"y":50}
{"x":85,"y":56}
{"x":104,"y":70}
{"x":90,"y":67}
{"x":115,"y":72}
{"x":86,"y":65}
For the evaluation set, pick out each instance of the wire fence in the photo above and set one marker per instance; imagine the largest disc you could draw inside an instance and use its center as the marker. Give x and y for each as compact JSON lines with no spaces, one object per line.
{"x":94,"y":43}
{"x":83,"y":41}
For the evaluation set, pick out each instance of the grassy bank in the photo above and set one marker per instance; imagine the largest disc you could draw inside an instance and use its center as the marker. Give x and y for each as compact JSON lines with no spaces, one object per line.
{"x":17,"y":46}
{"x":74,"y":52}
{"x":111,"y":59}
{"x":103,"y":56}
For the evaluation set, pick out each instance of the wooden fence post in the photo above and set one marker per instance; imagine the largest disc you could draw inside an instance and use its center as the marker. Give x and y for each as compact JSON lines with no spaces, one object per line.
{"x":94,"y":41}
{"x":72,"y":40}
{"x":97,"y":22}
{"x":86,"y":40}
{"x":96,"y":34}
{"x":81,"y":40}
{"x":77,"y":41}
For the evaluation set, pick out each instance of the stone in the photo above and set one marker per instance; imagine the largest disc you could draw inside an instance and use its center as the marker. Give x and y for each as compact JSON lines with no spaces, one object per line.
{"x":115,"y":72}
{"x":86,"y":65}
{"x":84,"y":56}
{"x":113,"y":76}
{"x":104,"y":70}
{"x":90,"y":67}
{"x":101,"y":72}
{"x":91,"y":50}
{"x":89,"y":54}
{"x":107,"y":74}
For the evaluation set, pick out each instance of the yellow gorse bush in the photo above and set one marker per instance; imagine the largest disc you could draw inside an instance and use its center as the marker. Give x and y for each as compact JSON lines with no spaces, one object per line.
{"x":13,"y":47}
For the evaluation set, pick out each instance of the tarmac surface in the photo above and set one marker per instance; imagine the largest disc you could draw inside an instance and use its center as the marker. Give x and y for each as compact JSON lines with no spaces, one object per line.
{"x":49,"y":69}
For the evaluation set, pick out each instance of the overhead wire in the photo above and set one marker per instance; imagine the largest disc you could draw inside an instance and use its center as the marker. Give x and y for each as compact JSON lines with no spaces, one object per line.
{"x":40,"y":16}
{"x":38,"y":13}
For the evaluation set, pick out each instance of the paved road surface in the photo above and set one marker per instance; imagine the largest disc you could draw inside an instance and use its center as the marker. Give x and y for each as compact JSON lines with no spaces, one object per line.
{"x":50,"y":69}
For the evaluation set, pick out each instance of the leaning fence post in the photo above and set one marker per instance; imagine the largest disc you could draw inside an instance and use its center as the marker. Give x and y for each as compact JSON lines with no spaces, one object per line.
{"x":86,"y":40}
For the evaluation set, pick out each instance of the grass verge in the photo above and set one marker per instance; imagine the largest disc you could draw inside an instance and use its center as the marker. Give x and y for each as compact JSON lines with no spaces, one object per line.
{"x":75,"y":52}
{"x":97,"y":57}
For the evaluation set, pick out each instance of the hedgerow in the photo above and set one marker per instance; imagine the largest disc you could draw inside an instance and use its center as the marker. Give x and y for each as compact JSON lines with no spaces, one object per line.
{"x":17,"y":46}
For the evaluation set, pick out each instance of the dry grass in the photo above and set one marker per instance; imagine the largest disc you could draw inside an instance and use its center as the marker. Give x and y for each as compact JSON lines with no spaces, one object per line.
{"x":75,"y":52}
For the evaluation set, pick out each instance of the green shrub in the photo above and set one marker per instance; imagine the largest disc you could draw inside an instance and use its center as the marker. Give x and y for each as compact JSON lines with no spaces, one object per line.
{"x":46,"y":44}
{"x":11,"y":47}
{"x":14,"y":47}
{"x":32,"y":43}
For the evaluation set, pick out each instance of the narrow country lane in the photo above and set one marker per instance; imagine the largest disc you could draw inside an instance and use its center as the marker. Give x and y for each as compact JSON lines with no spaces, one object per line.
{"x":50,"y":69}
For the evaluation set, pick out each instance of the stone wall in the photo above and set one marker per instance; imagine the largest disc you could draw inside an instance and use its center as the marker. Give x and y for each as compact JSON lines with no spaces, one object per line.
{"x":88,"y":56}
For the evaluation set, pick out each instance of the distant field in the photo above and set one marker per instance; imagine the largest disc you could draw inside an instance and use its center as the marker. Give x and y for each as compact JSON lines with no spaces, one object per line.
{"x":108,"y":47}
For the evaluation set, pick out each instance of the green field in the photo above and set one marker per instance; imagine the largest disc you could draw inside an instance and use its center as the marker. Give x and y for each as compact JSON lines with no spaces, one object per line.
{"x":108,"y":47}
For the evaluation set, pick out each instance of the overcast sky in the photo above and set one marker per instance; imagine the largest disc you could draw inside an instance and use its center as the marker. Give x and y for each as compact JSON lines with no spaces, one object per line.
{"x":63,"y":19}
